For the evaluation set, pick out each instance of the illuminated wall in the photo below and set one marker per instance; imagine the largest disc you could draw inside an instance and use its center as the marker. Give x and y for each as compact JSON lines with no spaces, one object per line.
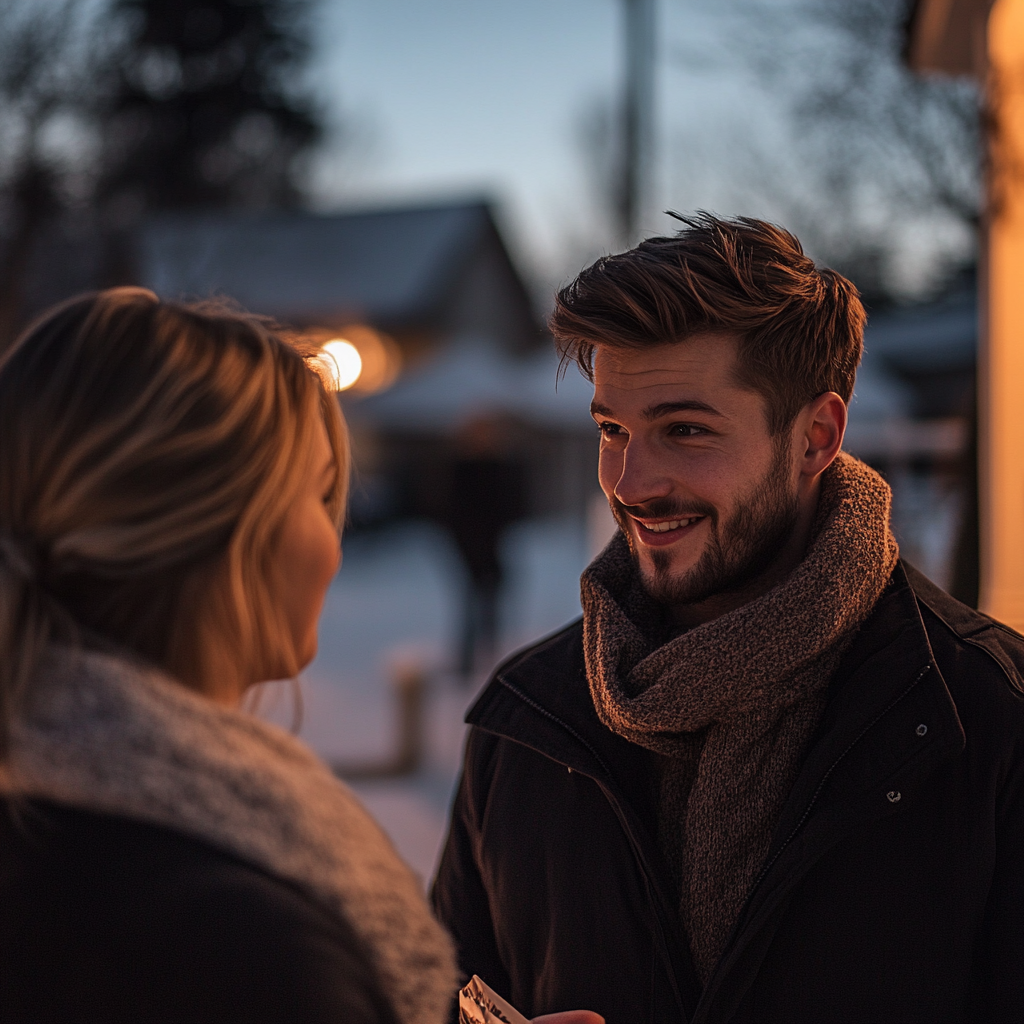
{"x":1002,"y":350}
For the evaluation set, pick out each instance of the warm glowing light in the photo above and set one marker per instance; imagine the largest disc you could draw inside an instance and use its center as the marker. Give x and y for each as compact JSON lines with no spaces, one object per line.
{"x":354,"y":357}
{"x":343,"y":363}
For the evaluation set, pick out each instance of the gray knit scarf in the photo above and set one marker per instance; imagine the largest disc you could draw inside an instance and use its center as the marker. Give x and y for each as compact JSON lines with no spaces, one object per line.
{"x":109,"y":735}
{"x":732,"y":703}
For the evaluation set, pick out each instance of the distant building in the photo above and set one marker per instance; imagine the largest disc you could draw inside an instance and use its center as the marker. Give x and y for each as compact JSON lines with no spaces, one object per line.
{"x":912,"y":418}
{"x":438,"y":281}
{"x":423,"y":274}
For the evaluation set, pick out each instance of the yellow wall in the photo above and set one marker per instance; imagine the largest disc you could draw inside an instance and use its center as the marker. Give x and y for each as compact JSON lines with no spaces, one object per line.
{"x":1002,"y":351}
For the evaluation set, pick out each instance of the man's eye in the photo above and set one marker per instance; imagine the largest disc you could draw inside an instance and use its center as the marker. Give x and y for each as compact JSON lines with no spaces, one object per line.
{"x":609,"y":429}
{"x":686,"y":430}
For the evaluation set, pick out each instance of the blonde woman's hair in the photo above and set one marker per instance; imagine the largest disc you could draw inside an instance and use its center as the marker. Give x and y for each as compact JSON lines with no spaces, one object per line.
{"x":144,"y":445}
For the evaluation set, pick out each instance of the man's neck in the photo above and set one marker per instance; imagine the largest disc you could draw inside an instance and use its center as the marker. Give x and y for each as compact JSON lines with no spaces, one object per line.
{"x":791,"y":554}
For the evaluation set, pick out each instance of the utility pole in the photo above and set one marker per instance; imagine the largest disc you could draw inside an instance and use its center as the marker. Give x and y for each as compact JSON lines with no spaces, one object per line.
{"x":637,"y":118}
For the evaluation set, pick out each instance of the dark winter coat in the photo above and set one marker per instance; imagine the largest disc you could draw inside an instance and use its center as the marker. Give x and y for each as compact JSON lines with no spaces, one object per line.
{"x":894,"y":888}
{"x":167,"y":858}
{"x":104,"y":919}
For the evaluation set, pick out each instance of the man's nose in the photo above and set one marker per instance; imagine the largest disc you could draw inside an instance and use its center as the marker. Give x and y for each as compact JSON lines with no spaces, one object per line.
{"x":642,"y":477}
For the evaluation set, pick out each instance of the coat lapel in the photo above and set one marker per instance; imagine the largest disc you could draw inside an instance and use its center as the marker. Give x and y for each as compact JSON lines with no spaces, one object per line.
{"x":544,"y":703}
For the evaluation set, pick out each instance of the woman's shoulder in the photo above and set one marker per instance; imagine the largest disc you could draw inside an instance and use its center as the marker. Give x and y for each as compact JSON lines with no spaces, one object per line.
{"x":146,"y":921}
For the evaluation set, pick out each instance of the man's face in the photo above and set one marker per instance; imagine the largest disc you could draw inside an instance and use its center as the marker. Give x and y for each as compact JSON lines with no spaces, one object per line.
{"x":706,"y":497}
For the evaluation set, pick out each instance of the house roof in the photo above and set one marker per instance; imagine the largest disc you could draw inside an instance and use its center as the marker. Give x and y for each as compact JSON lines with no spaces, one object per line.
{"x":931,"y":337}
{"x":393,"y":267}
{"x":919,"y":361}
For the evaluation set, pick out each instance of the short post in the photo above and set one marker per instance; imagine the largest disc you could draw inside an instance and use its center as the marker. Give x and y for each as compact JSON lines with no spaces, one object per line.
{"x":408,"y":686}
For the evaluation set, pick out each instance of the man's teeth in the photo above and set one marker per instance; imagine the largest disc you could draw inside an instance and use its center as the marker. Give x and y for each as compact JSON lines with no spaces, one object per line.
{"x":674,"y":525}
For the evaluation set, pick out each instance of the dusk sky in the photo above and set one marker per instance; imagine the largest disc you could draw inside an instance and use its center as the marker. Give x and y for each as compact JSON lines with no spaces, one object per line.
{"x":486,"y":97}
{"x":453,"y":97}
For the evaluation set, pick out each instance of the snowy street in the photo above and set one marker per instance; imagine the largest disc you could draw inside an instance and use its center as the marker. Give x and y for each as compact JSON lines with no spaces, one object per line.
{"x":395,"y":603}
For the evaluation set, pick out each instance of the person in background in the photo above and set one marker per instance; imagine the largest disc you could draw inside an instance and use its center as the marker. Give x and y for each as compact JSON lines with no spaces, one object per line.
{"x":486,"y":493}
{"x":773,"y":773}
{"x":172,"y":479}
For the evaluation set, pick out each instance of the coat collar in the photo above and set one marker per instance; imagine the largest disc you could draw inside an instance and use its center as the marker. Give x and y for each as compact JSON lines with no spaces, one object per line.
{"x":540,"y":697}
{"x":889,"y":675}
{"x":889,"y":720}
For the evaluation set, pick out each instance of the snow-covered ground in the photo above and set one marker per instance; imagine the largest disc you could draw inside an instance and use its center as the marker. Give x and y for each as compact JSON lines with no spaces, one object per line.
{"x":396,"y":602}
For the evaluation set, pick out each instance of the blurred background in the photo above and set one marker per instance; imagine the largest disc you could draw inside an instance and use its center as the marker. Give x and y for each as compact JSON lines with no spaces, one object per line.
{"x":408,"y":181}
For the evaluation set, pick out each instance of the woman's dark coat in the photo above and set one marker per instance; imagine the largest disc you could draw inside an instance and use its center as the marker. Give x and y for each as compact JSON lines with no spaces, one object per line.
{"x":104,"y":919}
{"x":894,"y":889}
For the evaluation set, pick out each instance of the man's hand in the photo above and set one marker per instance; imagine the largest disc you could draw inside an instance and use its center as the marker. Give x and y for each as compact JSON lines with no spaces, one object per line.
{"x":570,"y":1017}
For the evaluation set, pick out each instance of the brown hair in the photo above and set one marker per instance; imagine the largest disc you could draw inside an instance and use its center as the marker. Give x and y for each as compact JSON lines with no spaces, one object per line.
{"x":801,"y":328}
{"x":146,"y":443}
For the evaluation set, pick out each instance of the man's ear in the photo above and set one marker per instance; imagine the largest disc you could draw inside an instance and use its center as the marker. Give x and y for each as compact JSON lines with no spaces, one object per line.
{"x":823,"y":424}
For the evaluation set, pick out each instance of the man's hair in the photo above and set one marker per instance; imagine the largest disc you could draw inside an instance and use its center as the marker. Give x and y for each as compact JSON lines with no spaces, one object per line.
{"x":800,"y":328}
{"x":146,"y":443}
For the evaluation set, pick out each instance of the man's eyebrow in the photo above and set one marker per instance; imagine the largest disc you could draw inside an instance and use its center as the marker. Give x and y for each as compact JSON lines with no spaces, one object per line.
{"x":654,"y":412}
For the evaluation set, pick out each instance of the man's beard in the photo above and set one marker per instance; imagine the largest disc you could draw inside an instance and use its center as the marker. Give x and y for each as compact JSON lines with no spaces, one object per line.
{"x":740,"y":550}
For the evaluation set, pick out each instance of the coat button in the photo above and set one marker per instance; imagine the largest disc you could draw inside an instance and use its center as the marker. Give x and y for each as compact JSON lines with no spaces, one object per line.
{"x":893,"y":796}
{"x":921,"y":729}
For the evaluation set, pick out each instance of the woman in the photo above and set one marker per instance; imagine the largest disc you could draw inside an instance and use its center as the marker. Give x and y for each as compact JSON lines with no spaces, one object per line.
{"x":171,"y":483}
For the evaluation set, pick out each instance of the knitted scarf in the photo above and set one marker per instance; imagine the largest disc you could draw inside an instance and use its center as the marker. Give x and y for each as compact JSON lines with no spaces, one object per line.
{"x":107,"y":735}
{"x":733,"y":702}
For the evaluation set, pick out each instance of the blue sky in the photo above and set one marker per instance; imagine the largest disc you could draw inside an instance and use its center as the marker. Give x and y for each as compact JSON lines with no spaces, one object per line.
{"x":472,"y":97}
{"x":484,"y":96}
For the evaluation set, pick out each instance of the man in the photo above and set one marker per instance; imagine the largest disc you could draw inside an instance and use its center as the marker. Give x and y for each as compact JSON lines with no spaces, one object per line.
{"x":774,"y":774}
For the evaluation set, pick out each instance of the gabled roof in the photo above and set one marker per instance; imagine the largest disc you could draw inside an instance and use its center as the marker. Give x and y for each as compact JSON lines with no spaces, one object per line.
{"x":393,"y":267}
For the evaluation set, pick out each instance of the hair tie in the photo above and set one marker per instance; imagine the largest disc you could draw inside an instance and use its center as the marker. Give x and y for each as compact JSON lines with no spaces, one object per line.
{"x":12,"y":554}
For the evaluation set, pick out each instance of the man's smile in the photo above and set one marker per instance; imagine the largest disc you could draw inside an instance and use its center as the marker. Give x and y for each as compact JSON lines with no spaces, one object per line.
{"x":660,"y":532}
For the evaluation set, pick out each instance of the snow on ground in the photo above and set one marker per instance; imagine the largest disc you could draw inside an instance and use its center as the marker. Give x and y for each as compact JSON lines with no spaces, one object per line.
{"x":395,"y":602}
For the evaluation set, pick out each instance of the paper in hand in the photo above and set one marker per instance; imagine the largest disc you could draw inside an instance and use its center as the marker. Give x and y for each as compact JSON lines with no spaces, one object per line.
{"x":480,"y":1004}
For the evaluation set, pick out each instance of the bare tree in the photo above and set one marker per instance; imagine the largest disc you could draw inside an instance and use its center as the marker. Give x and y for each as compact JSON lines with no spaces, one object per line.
{"x":206,"y":106}
{"x":869,"y":150}
{"x":861,"y":155}
{"x":113,"y":109}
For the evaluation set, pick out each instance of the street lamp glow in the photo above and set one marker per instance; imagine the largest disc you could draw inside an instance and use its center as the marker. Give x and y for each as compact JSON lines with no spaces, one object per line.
{"x":342,"y":362}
